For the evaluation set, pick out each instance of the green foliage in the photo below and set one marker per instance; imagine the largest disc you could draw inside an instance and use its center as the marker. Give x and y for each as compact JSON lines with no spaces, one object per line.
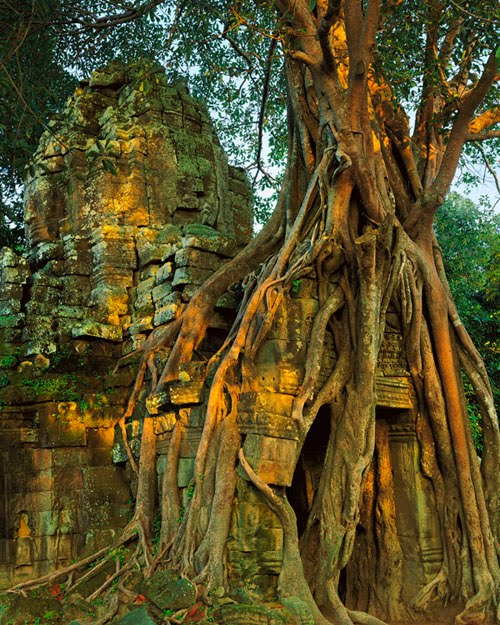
{"x":474,"y":416}
{"x":181,"y":515}
{"x":63,"y":387}
{"x":403,"y":36}
{"x":8,"y":361}
{"x":231,"y":54}
{"x":156,"y":531}
{"x":469,"y":237}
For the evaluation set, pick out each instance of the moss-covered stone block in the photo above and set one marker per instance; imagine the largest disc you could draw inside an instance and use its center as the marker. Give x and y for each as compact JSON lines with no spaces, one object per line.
{"x":139,"y":616}
{"x":12,"y":320}
{"x":206,"y":238}
{"x":93,"y":329}
{"x":167,"y":590}
{"x":23,"y":609}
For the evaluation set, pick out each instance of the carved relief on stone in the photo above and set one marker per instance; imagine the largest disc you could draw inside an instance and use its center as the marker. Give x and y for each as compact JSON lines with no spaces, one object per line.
{"x":24,"y":541}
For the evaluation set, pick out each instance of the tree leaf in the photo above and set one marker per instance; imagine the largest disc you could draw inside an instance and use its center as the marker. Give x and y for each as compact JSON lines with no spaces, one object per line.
{"x":109,"y":166}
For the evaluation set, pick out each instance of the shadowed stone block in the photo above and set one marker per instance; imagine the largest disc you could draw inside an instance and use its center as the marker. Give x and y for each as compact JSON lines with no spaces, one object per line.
{"x":186,"y":472}
{"x":191,"y":275}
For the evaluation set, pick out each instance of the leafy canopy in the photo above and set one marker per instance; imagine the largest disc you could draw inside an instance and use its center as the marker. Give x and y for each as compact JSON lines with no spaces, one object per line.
{"x":231,"y":53}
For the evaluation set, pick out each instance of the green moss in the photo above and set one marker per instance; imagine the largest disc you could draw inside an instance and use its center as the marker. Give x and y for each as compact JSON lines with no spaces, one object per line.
{"x":4,"y":380}
{"x":8,"y":362}
{"x":62,"y":387}
{"x":11,"y":321}
{"x":200,"y":230}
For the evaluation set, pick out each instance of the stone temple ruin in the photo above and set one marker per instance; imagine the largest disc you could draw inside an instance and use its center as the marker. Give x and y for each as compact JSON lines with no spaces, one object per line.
{"x":130,"y":206}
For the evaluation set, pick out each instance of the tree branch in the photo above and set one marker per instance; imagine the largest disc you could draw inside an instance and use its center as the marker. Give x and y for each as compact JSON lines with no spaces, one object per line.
{"x":307,"y":59}
{"x":449,"y":41}
{"x":483,"y":136}
{"x":128,"y":15}
{"x":263,"y":102}
{"x":460,"y":127}
{"x":484,"y":121}
{"x":370,"y":25}
{"x":427,"y":104}
{"x":488,"y":165}
{"x":324,"y":29}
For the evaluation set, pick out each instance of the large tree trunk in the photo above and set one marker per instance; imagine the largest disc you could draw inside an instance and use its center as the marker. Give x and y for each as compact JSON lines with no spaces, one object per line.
{"x":354,"y":221}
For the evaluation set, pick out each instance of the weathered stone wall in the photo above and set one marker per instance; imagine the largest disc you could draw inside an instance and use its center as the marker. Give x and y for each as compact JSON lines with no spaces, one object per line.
{"x":130,"y":205}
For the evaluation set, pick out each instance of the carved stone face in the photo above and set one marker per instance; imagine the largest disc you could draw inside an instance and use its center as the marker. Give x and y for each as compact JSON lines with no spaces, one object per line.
{"x":36,"y":226}
{"x":208,"y":215}
{"x":44,"y":208}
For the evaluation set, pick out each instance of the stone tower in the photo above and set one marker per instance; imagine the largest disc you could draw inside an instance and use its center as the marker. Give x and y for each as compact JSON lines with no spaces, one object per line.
{"x":130,"y":204}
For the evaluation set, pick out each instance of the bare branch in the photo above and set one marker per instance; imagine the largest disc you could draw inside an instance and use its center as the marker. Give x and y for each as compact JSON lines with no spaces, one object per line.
{"x":263,"y":103}
{"x":424,"y":211}
{"x":476,"y":16}
{"x":427,"y":106}
{"x":449,"y":41}
{"x":370,"y":25}
{"x":129,"y":14}
{"x":488,"y":165}
{"x":459,"y":81}
{"x":353,"y":22}
{"x":458,"y":135}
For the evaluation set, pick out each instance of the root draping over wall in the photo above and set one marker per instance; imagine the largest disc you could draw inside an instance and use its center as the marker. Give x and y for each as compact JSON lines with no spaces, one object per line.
{"x":296,"y":421}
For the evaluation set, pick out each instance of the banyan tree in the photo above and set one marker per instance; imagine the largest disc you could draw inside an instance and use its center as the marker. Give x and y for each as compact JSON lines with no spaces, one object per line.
{"x":335,"y":431}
